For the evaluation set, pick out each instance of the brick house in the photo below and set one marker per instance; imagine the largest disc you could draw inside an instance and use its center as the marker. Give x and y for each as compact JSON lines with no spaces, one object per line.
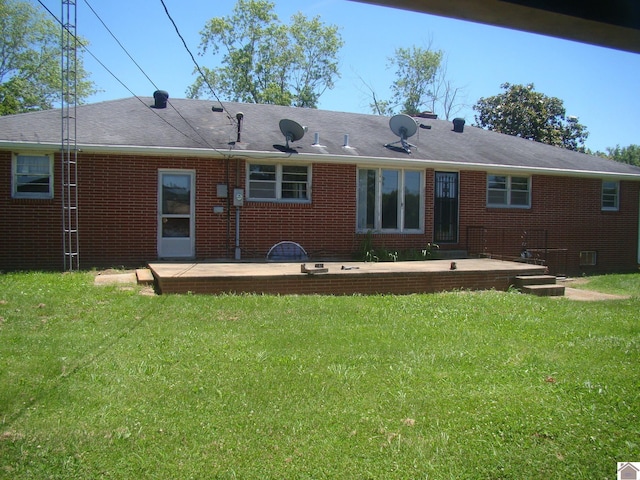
{"x":196,"y":180}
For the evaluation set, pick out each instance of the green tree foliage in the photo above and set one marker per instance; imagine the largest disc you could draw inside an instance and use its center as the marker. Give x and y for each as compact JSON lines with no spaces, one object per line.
{"x":416,"y":69}
{"x":629,"y":155}
{"x":523,"y":112}
{"x":412,"y":90}
{"x":30,"y":60}
{"x":264,"y":61}
{"x":420,"y":84}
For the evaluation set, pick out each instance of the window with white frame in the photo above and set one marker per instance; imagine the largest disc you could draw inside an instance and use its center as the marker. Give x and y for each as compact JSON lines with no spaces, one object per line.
{"x":610,"y":195}
{"x":390,"y":200}
{"x":508,"y":191}
{"x":279,"y":182}
{"x":32,"y":176}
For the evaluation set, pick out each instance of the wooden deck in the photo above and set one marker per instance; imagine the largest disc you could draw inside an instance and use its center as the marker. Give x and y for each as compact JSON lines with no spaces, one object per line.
{"x":339,"y":278}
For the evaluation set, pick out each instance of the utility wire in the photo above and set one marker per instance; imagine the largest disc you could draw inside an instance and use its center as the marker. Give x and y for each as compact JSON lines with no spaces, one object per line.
{"x":145,"y":74}
{"x":195,"y":62}
{"x":119,"y":43}
{"x":86,"y":49}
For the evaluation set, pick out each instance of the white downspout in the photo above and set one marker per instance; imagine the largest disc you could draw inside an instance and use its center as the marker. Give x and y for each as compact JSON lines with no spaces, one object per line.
{"x":638,"y":230}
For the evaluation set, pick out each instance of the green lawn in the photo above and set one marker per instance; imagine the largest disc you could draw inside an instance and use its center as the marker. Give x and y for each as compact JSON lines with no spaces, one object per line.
{"x":100,"y":382}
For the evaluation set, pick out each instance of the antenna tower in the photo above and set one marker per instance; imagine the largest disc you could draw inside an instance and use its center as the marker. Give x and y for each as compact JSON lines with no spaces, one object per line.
{"x":69,"y":147}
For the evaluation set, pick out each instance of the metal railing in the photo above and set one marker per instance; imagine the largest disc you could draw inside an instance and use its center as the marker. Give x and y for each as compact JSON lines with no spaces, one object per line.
{"x":529,"y":245}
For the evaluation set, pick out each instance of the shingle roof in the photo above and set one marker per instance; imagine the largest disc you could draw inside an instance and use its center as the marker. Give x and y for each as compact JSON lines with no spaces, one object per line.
{"x":191,"y":126}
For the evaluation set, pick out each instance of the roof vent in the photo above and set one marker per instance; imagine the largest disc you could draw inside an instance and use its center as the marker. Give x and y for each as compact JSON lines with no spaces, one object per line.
{"x":458,"y":125}
{"x":160,"y":97}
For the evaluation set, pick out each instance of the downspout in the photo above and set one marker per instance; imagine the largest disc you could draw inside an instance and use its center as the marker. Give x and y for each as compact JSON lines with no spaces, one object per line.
{"x":638,"y":229}
{"x":238,"y":254}
{"x":238,"y":202}
{"x":228,"y":237}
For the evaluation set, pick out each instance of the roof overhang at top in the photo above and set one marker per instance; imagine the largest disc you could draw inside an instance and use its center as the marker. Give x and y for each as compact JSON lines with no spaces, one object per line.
{"x":189,"y":128}
{"x":612,"y":24}
{"x":277,"y":156}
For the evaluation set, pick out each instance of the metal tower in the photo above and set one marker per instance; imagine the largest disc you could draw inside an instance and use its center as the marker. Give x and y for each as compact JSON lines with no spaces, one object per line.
{"x":69,"y":150}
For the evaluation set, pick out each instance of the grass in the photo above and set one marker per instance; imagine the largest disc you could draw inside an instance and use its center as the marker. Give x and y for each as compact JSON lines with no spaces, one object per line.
{"x":101,"y":382}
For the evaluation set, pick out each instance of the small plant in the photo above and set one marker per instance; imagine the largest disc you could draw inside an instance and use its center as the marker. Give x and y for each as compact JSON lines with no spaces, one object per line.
{"x":370,"y":256}
{"x":427,"y":253}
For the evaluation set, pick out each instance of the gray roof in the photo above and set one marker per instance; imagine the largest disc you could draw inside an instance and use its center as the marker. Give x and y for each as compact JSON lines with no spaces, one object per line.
{"x":190,"y":127}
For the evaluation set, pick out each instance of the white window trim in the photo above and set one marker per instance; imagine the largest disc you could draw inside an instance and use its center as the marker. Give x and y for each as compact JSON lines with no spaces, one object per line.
{"x":378,"y":210}
{"x":508,"y":191}
{"x":617,"y":197}
{"x":14,"y":177}
{"x":278,"y":183}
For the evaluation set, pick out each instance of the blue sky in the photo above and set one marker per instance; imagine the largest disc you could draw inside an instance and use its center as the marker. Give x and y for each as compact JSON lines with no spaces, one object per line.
{"x":600,"y":86}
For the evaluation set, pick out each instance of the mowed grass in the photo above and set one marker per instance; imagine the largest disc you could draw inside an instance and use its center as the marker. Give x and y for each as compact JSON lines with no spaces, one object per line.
{"x":101,"y":382}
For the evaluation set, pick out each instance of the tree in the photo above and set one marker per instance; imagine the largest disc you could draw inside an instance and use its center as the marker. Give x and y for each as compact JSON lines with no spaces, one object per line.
{"x":420,"y":84}
{"x":416,"y":69}
{"x":629,"y":155}
{"x":523,"y":112}
{"x":264,"y":61}
{"x":30,"y":76}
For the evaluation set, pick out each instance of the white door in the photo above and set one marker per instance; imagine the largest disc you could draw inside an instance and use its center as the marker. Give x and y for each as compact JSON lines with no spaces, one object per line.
{"x":176,"y":216}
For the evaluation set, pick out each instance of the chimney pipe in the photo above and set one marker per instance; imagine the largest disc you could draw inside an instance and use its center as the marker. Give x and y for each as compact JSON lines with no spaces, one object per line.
{"x":160,"y":97}
{"x":458,"y":125}
{"x":239,"y":117}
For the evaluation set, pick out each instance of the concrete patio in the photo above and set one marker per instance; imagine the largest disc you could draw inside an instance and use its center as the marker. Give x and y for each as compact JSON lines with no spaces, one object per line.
{"x":339,"y":278}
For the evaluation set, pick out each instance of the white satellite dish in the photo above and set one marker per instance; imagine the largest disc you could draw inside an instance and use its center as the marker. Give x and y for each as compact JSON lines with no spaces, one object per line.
{"x":404,"y":127}
{"x":291,"y":130}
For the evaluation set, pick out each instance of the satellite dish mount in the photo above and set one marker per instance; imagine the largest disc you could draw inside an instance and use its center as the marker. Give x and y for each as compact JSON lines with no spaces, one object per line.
{"x":404,"y":127}
{"x":291,"y":130}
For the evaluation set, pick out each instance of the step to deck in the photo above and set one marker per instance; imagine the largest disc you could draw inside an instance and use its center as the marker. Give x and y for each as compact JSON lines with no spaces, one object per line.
{"x":544,"y":290}
{"x":144,"y":276}
{"x":524,"y":280}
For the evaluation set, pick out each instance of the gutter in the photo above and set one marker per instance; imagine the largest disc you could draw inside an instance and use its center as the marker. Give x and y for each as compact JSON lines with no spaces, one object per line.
{"x":320,"y":158}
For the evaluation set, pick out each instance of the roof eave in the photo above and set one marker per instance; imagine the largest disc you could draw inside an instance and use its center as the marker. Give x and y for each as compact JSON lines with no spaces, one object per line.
{"x":346,"y":158}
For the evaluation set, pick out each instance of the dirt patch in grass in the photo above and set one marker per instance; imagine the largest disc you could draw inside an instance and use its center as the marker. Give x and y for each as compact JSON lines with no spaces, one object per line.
{"x":583,"y":295}
{"x":125,"y":279}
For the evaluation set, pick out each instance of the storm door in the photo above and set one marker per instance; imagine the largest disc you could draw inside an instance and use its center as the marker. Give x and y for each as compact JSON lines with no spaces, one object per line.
{"x":176,"y":219}
{"x":446,"y":208}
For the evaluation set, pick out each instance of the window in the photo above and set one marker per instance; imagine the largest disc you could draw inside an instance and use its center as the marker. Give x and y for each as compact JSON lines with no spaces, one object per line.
{"x":588,"y":258}
{"x":610,"y":195}
{"x":390,"y":200}
{"x":508,"y":191}
{"x":32,"y":176}
{"x":279,"y":182}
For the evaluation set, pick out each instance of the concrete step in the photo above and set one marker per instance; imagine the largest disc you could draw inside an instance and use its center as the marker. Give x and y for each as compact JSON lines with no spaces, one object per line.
{"x":523,"y":280}
{"x":144,"y":276}
{"x":549,"y":290}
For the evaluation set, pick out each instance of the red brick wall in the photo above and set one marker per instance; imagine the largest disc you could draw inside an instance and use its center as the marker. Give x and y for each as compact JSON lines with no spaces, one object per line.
{"x":31,"y":230}
{"x":118,"y":216}
{"x":569,"y":209}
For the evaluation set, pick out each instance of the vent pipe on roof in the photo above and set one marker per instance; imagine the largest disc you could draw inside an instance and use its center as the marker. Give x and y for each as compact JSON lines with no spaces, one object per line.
{"x":239,"y":117}
{"x":346,"y":140}
{"x":160,"y":97}
{"x":458,"y":125}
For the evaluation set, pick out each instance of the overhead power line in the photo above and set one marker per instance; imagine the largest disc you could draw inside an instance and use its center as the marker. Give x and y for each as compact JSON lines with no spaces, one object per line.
{"x":86,"y":49}
{"x":195,"y":62}
{"x":119,"y":43}
{"x":145,"y":73}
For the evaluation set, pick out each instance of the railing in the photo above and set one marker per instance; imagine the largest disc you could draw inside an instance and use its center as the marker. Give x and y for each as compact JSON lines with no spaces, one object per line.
{"x":528,"y":245}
